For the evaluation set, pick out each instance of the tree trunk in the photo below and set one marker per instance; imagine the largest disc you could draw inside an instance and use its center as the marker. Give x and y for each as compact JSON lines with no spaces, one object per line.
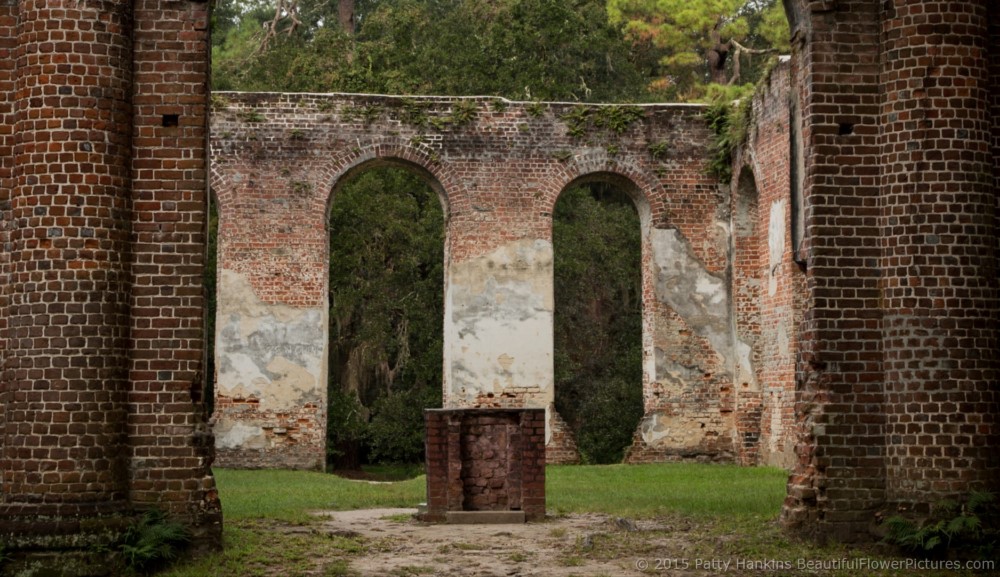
{"x":345,"y":14}
{"x":717,"y":57}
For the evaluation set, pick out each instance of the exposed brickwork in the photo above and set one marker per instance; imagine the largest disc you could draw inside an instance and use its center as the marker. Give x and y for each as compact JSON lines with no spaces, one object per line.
{"x":938,"y":260}
{"x":485,"y":460}
{"x":896,"y":396}
{"x":499,"y":167}
{"x":768,"y":285}
{"x":97,"y":275}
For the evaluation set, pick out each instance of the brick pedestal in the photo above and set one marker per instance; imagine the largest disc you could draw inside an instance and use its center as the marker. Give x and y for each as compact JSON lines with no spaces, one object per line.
{"x":485,"y":460}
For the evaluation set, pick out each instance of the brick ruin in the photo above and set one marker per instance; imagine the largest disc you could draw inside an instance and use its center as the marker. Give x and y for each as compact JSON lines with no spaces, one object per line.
{"x":485,"y":460}
{"x":833,"y":311}
{"x":499,"y":167}
{"x":103,"y":168}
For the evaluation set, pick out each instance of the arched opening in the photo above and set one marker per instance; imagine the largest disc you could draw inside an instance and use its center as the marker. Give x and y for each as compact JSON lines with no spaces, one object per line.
{"x":598,"y":342}
{"x":386,"y":312}
{"x":746,"y":302}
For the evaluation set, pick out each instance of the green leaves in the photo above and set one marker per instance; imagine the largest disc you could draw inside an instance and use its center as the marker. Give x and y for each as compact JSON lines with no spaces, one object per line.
{"x":520,"y":49}
{"x":386,"y":313}
{"x":697,"y":43}
{"x":954,"y":529}
{"x":598,"y":319}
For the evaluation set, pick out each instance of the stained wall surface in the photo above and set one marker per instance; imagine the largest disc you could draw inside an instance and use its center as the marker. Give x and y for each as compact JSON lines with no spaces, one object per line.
{"x":499,"y":168}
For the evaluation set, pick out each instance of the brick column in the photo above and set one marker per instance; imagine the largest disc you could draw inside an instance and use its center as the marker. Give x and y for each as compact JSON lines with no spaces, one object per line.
{"x":938,"y":251}
{"x":65,"y":376}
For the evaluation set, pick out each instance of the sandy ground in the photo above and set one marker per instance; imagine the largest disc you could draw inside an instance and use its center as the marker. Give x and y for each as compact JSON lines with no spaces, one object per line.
{"x":574,"y":545}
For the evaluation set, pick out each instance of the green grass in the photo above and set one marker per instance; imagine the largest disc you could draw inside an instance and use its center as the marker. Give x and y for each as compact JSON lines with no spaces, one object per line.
{"x":290,"y":495}
{"x":622,"y":490}
{"x":640,"y":491}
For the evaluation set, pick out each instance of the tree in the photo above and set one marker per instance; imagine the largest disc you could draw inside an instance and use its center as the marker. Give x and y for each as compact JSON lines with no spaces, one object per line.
{"x":700,"y":42}
{"x":598,"y":319}
{"x":386,"y":312}
{"x":523,"y":49}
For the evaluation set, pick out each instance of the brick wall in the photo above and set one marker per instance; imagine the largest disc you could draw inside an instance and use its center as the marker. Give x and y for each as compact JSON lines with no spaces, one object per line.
{"x":768,"y":284}
{"x":102,"y":229}
{"x":499,"y":167}
{"x":171,"y":447}
{"x":8,"y":76}
{"x":895,"y":403}
{"x":485,"y":460}
{"x":939,"y":235}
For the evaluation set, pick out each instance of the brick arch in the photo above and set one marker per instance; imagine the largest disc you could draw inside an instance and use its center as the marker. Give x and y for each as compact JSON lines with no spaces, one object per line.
{"x":394,"y":153}
{"x":641,"y":187}
{"x":221,"y":186}
{"x":629,"y":180}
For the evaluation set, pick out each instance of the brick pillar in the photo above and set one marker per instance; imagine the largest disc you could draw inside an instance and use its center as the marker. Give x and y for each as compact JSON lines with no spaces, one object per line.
{"x":65,"y":377}
{"x":938,"y":251}
{"x":8,"y":79}
{"x":169,"y":174}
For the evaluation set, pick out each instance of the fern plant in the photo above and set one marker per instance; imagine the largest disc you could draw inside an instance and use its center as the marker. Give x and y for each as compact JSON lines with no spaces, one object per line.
{"x":955,"y":527}
{"x":153,"y":540}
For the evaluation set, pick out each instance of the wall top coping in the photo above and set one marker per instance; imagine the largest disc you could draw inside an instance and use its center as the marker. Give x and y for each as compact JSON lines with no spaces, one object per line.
{"x":271,"y":96}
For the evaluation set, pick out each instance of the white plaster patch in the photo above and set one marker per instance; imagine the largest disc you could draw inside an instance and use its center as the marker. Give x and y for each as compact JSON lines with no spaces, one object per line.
{"x":498,"y":324}
{"x":674,"y":431}
{"x":698,"y":296}
{"x":272,"y":352}
{"x":775,"y":244}
{"x":234,"y":435}
{"x":744,"y":366}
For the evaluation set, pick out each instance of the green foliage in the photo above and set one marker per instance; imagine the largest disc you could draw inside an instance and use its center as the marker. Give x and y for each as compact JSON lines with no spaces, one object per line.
{"x":535,"y":108}
{"x":386,"y":314}
{"x":658,"y":150}
{"x":463,"y":111}
{"x":598,"y":321}
{"x":251,"y":116}
{"x":963,"y":529}
{"x":152,"y":541}
{"x":396,"y":431}
{"x":730,"y":125}
{"x":697,"y":43}
{"x":616,"y":119}
{"x":519,"y":49}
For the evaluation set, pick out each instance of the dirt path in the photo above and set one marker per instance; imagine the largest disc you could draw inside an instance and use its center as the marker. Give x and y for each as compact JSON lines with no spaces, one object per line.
{"x":574,"y":545}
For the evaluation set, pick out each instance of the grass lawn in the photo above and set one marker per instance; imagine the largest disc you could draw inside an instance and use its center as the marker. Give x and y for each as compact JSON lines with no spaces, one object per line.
{"x":621,"y":490}
{"x":651,"y":490}
{"x":712,"y":511}
{"x":290,"y":495}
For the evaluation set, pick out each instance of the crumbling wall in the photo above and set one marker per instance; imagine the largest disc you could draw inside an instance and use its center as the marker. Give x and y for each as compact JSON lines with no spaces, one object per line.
{"x":769,"y":283}
{"x":499,"y":167}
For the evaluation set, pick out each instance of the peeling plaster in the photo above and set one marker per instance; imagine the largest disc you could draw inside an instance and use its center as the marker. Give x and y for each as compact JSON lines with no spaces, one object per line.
{"x":236,"y":435}
{"x":698,"y":296}
{"x":672,"y":431}
{"x":272,"y":352}
{"x":498,"y":332}
{"x":775,"y":244}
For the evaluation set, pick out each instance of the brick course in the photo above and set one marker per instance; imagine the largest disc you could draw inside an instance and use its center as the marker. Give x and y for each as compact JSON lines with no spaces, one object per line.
{"x":896,"y":403}
{"x":485,"y":460}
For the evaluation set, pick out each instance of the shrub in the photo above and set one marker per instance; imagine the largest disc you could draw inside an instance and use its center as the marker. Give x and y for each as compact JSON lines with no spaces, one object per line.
{"x":152,"y":541}
{"x":954,"y":529}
